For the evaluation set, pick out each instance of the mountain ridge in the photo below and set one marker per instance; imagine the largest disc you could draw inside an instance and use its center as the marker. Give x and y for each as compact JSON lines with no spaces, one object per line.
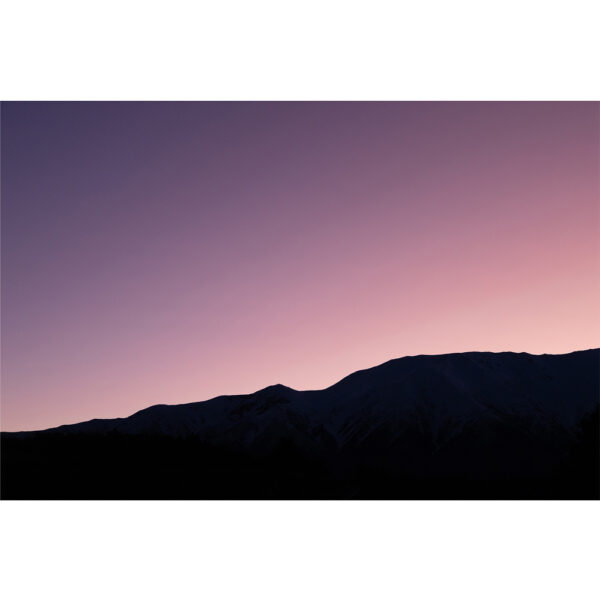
{"x":284,"y":391}
{"x":452,"y":426}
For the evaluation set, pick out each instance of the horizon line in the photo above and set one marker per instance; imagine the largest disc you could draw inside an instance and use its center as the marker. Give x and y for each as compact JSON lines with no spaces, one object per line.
{"x":592,"y":349}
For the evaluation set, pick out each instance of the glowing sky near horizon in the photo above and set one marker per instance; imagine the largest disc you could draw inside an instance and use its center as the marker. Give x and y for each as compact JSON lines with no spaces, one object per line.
{"x":172,"y":252}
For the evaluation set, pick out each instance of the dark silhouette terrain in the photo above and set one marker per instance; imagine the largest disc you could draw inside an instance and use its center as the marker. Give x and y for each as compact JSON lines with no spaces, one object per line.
{"x":458,"y":426}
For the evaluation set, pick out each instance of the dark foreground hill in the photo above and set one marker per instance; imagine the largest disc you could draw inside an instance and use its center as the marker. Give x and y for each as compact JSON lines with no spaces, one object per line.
{"x":459,"y":426}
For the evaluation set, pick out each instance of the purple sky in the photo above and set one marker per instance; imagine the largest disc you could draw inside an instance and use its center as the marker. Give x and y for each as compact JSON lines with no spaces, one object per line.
{"x":171,"y":252}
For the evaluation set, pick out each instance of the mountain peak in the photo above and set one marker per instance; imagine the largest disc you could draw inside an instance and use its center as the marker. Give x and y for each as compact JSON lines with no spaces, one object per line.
{"x":278,"y":388}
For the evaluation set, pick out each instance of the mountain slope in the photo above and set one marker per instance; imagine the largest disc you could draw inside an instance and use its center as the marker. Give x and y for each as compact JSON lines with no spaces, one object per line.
{"x":478,"y":415}
{"x":435,"y":393}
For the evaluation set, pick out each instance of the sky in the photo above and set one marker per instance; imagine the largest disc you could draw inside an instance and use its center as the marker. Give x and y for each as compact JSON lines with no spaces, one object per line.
{"x":172,"y":252}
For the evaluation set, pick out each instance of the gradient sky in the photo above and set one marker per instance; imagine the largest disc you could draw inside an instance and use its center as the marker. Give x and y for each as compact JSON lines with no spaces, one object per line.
{"x":172,"y":252}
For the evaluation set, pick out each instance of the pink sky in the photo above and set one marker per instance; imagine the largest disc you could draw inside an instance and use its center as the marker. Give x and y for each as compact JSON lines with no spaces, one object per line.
{"x":169,"y":253}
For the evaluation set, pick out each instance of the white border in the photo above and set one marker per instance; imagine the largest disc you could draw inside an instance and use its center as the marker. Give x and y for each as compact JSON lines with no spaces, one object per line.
{"x":275,"y":50}
{"x":301,"y":50}
{"x":300,"y":550}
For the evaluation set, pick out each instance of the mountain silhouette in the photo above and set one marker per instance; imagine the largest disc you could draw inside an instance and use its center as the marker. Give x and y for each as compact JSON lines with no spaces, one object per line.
{"x":469,"y":425}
